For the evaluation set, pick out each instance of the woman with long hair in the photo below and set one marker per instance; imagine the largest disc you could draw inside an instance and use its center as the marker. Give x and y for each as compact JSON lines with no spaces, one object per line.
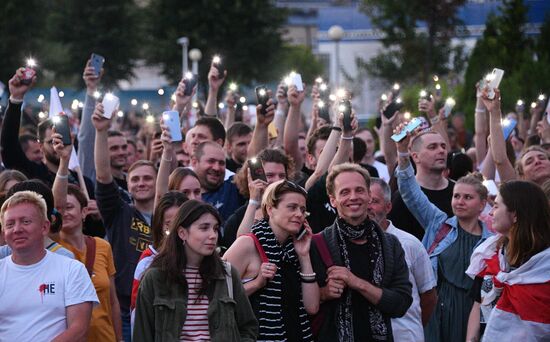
{"x":9,"y":178}
{"x":274,"y":264}
{"x":188,"y":292}
{"x":513,"y":266}
{"x":164,"y":214}
{"x":449,"y":241}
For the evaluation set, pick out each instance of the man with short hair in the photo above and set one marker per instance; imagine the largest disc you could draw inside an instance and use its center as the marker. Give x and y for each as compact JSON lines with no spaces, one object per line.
{"x":208,"y":162}
{"x":205,"y":129}
{"x":367,"y":136}
{"x":128,"y":225}
{"x":31,"y":147}
{"x":44,"y":296}
{"x":238,"y":138}
{"x":368,"y":283}
{"x":411,"y":326}
{"x":315,"y":145}
{"x":429,"y":153}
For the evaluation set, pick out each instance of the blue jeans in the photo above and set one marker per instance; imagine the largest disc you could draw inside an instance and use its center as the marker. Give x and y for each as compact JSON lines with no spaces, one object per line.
{"x":126,"y":328}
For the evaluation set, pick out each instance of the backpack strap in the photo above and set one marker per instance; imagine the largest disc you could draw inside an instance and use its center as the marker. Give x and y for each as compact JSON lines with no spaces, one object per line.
{"x":259,"y":247}
{"x":441,"y":234}
{"x":90,"y":254}
{"x":322,"y":247}
{"x":228,"y":278}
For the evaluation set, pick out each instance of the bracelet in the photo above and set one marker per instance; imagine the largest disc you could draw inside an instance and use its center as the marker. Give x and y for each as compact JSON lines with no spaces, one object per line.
{"x":307,"y":275}
{"x":279,"y":112}
{"x":62,"y":176}
{"x":254,"y":202}
{"x":347,"y":138}
{"x":167,"y":160}
{"x":434,"y":120}
{"x":336,"y":128}
{"x":480,"y":110}
{"x":15,"y":101}
{"x":308,"y":281}
{"x":403,"y":154}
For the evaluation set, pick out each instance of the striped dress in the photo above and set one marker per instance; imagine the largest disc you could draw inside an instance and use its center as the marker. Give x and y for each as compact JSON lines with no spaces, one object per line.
{"x":195,"y":327}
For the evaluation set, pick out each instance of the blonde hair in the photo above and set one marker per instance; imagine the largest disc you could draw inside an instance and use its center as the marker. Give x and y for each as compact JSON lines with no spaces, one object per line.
{"x":272,"y":194}
{"x":345,"y":167}
{"x":21,"y":197}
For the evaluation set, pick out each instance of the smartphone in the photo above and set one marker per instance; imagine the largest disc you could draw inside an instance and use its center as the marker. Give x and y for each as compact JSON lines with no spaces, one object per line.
{"x":61,"y":124}
{"x":494,"y":82}
{"x":393,"y":107}
{"x":411,"y":126}
{"x":480,"y":86}
{"x":449,"y":105}
{"x":323,"y":110}
{"x":28,"y":74}
{"x":345,"y":107}
{"x":218,"y":64}
{"x":425,"y":95}
{"x":190,"y":81}
{"x":171,"y":118}
{"x":324,"y":91}
{"x":256,"y":169}
{"x":297,"y":81}
{"x":395,"y":90}
{"x":301,"y":233}
{"x":508,"y":126}
{"x":262,"y":97}
{"x":110,"y":104}
{"x":97,"y":62}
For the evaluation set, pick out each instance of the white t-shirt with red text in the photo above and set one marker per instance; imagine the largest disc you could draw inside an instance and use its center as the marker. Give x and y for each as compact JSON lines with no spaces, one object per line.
{"x":33,"y":298}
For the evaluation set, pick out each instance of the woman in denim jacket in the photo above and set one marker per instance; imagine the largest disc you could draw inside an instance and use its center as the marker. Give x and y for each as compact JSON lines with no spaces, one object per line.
{"x":449,"y":241}
{"x":187,"y":294}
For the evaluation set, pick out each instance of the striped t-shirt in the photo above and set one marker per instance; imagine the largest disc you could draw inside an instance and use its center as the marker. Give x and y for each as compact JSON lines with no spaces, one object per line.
{"x":195,"y":327}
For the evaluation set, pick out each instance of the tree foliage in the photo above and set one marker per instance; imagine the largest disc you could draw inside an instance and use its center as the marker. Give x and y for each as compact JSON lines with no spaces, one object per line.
{"x":410,"y":54}
{"x":245,"y":33}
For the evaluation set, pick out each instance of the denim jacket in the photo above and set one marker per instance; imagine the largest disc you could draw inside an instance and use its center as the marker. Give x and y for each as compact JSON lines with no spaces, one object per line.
{"x":430,"y":217}
{"x":161,"y":309}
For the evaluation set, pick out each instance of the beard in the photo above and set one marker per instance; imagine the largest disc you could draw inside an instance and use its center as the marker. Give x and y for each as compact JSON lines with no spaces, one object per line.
{"x":52,"y":158}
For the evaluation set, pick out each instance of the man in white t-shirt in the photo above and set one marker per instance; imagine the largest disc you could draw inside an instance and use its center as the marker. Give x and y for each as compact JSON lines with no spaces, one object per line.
{"x":366,"y":135}
{"x":43,"y":296}
{"x":410,"y":326}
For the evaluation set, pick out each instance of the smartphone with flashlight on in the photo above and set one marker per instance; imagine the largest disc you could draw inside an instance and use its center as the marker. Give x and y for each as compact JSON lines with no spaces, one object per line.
{"x":256,"y":169}
{"x":345,"y":107}
{"x":262,"y":97}
{"x":218,"y":64}
{"x":97,"y":62}
{"x":494,"y":81}
{"x":171,"y":118}
{"x":29,"y":72}
{"x":297,"y":81}
{"x":508,"y":126}
{"x":393,"y":107}
{"x":411,"y":126}
{"x":425,"y":95}
{"x":61,"y":124}
{"x":190,"y":82}
{"x":110,"y":104}
{"x":448,"y":107}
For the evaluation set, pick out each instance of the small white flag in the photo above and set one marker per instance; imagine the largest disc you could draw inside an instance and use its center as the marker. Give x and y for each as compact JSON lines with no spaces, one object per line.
{"x":55,"y":103}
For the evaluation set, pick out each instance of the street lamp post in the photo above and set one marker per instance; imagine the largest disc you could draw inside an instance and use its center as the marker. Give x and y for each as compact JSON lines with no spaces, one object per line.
{"x":195,"y":55}
{"x":336,"y":33}
{"x":184,"y":42}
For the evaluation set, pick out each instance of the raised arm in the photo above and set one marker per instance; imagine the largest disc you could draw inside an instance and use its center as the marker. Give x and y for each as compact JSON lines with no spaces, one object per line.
{"x":166,"y":164}
{"x":437,"y":120}
{"x":101,"y":147}
{"x":215,"y":81}
{"x":481,"y":131}
{"x":386,"y":144}
{"x":260,"y":136}
{"x":231,"y":100}
{"x":280,"y":114}
{"x":292,"y":126}
{"x":326,"y":156}
{"x":60,"y":183}
{"x":86,"y":133}
{"x":255,"y":189}
{"x":498,"y":144}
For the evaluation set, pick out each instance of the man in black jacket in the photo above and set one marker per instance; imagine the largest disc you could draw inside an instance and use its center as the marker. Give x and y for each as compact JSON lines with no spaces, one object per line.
{"x":367,"y":283}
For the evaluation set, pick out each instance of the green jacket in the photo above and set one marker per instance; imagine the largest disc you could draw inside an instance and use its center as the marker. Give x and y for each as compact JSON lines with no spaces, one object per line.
{"x":161,"y":309}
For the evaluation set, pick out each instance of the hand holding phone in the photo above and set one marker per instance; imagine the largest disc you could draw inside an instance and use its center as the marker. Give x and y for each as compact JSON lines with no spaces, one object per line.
{"x":256,"y":169}
{"x":393,"y":107}
{"x":190,"y":82}
{"x":97,"y":62}
{"x":345,"y":107}
{"x":218,"y":64}
{"x":508,"y":126}
{"x":494,"y":81}
{"x":110,"y":104}
{"x":262,"y":97}
{"x":449,"y":105}
{"x":171,"y":118}
{"x":61,"y":124}
{"x":297,"y":81}
{"x":410,"y":127}
{"x":29,"y":72}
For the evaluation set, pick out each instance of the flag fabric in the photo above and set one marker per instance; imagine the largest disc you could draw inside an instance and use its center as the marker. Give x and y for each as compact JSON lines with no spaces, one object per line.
{"x":523,"y":310}
{"x":55,"y":103}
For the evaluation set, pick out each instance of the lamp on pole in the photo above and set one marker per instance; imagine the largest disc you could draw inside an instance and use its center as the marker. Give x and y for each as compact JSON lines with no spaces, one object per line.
{"x":184,"y":42}
{"x":195,"y":56}
{"x":336,"y":33}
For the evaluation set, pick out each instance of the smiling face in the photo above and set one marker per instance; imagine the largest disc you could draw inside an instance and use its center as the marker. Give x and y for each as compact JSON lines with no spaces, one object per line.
{"x":536,"y":166}
{"x":24,"y":228}
{"x":351,"y":197}
{"x":466,"y":202}
{"x":502,"y":218}
{"x":210,"y":168}
{"x":141,"y":183}
{"x":289,"y":214}
{"x":201,"y":237}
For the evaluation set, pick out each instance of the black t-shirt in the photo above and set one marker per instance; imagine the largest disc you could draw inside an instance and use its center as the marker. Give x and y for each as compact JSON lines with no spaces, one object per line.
{"x":362,"y":265}
{"x":231,"y":226}
{"x":232,"y":165}
{"x":318,"y":204}
{"x":401,"y":216}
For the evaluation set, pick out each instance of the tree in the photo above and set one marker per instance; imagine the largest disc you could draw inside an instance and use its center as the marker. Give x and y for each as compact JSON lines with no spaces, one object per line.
{"x":110,"y":28}
{"x":301,"y":59}
{"x":405,"y":47}
{"x":245,"y":33}
{"x":20,"y":32}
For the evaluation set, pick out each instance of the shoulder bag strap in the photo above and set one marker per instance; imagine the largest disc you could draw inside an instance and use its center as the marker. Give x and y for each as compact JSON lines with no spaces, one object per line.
{"x":90,"y":254}
{"x":259,"y":247}
{"x":322,"y":247}
{"x":441,"y":234}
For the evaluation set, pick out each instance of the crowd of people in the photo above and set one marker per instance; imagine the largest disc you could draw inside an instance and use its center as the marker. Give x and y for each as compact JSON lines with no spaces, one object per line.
{"x":304,"y":226}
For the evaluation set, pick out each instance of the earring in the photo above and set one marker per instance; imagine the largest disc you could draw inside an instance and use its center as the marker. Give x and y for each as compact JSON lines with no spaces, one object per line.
{"x":183,"y":242}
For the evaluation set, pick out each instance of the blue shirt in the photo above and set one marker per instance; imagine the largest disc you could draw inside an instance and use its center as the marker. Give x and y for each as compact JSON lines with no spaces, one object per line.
{"x":226,"y":198}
